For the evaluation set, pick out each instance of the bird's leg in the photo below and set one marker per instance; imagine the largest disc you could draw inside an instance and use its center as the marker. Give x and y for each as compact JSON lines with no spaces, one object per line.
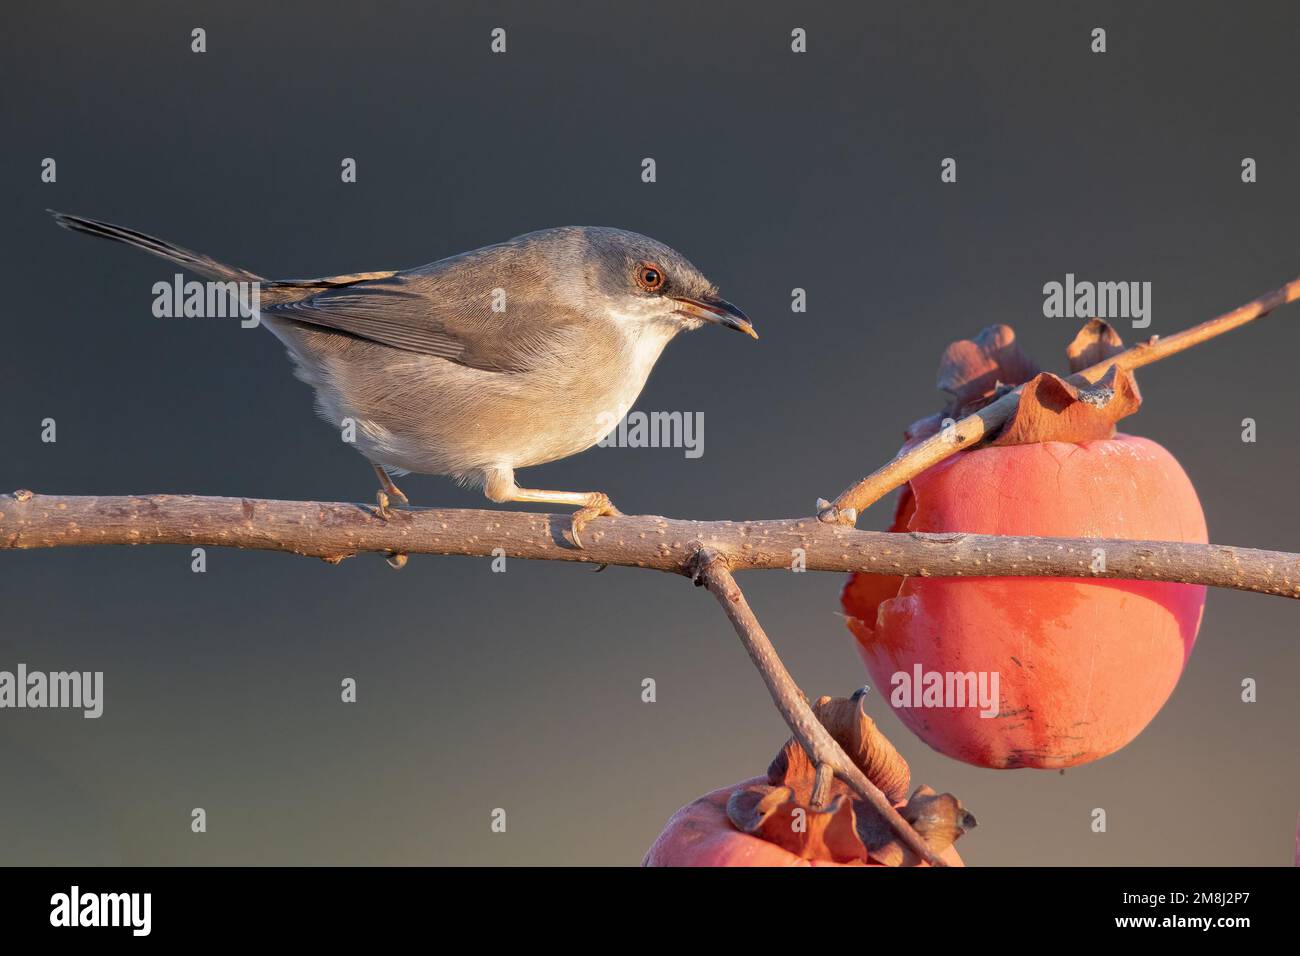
{"x":591,"y":504}
{"x":388,"y":490}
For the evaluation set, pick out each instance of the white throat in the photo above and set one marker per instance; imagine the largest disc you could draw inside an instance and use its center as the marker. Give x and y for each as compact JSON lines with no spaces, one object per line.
{"x":643,"y":343}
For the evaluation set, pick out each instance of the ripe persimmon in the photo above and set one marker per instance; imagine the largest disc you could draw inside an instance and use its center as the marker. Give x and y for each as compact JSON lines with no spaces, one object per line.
{"x":1082,"y":664}
{"x":785,"y":819}
{"x":701,"y":834}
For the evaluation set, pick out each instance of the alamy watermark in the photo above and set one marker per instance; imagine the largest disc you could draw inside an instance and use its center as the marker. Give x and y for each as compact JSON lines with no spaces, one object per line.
{"x":922,"y":688}
{"x":83,"y":690}
{"x":128,"y":910}
{"x":683,"y":430}
{"x":1073,"y":299}
{"x":208,"y":300}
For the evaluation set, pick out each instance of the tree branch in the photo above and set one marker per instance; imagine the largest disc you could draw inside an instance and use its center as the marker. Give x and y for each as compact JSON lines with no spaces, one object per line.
{"x":710,"y":571}
{"x":707,"y":551}
{"x":972,"y":429}
{"x":334,"y":531}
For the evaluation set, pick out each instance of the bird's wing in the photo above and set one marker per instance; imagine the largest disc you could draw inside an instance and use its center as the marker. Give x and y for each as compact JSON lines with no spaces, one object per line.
{"x":427,"y":310}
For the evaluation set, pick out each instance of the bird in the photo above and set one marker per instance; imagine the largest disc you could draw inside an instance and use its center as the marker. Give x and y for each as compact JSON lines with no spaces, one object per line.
{"x":508,"y":356}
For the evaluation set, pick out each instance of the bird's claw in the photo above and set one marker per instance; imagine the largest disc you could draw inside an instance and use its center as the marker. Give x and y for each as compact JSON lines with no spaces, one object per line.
{"x":598,"y":506}
{"x":383,"y":499}
{"x":396,"y":560}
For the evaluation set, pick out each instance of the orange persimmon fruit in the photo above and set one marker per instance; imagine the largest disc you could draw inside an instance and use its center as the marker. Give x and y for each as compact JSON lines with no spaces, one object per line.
{"x":1082,"y":664}
{"x":785,"y":819}
{"x":701,"y":834}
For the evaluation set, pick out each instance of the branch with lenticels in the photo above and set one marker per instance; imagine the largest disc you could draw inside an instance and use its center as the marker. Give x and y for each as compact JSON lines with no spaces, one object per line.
{"x":333,"y":531}
{"x":705,"y":551}
{"x":710,"y":571}
{"x":985,"y":422}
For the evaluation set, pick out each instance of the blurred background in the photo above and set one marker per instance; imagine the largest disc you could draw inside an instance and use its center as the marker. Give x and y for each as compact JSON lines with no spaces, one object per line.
{"x":523,"y":690}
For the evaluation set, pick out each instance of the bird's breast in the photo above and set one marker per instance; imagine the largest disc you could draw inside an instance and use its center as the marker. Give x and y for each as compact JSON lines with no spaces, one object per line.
{"x":598,"y":386}
{"x":620,"y":374}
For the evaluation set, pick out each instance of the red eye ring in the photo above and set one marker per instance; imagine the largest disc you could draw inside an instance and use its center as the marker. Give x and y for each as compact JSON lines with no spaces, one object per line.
{"x":650,"y":277}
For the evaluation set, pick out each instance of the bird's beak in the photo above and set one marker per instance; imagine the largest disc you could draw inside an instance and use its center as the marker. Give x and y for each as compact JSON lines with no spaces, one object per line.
{"x":717,"y":311}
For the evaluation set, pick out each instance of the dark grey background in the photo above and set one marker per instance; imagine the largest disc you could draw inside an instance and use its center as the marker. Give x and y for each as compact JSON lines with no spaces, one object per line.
{"x":521,"y":690}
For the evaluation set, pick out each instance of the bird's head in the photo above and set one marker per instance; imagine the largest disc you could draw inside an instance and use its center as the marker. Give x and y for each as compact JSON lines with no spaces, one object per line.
{"x":640,"y":280}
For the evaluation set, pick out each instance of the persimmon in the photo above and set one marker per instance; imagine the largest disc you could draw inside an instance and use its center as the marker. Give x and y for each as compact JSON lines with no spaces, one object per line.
{"x":1082,"y":665}
{"x":779,"y":820}
{"x":701,"y":834}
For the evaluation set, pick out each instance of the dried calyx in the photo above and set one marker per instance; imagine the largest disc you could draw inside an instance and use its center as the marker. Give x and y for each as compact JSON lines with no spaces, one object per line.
{"x":975,"y":372}
{"x":843,"y":829}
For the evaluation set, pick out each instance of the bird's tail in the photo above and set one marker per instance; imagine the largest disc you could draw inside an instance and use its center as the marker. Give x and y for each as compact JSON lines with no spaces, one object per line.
{"x":200,"y":264}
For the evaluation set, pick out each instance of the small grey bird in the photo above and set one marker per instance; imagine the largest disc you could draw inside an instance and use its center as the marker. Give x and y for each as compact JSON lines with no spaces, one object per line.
{"x":508,"y":356}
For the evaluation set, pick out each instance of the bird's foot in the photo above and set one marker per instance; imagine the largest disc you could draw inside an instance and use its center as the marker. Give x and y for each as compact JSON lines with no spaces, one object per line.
{"x":388,"y":492}
{"x":381,"y":506}
{"x":383,"y":499}
{"x":597,"y":506}
{"x":396,"y":560}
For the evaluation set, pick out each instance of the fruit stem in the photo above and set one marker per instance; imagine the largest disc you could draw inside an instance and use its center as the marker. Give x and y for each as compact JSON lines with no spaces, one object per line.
{"x":972,"y":429}
{"x":821,"y":790}
{"x":710,"y":571}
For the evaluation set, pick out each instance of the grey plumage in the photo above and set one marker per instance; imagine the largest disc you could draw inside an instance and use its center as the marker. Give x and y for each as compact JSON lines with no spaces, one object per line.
{"x":438,"y":382}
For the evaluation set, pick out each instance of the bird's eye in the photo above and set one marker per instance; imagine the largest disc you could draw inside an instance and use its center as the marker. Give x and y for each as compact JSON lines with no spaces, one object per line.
{"x":650,"y":277}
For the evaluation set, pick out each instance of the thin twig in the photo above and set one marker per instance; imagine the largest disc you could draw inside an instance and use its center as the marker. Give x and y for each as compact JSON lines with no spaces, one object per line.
{"x":711,"y":572}
{"x":972,"y":429}
{"x":334,"y":531}
{"x":821,"y":790}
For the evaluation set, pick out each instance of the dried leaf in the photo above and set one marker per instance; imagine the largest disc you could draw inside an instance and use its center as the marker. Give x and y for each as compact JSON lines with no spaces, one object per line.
{"x":1052,"y":409}
{"x":875,"y":756}
{"x":1096,"y":342}
{"x":866,"y":746}
{"x":972,"y":369}
{"x":775,"y":815}
{"x":846,"y":828}
{"x":939,"y":818}
{"x":881,"y":843}
{"x":792,"y":768}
